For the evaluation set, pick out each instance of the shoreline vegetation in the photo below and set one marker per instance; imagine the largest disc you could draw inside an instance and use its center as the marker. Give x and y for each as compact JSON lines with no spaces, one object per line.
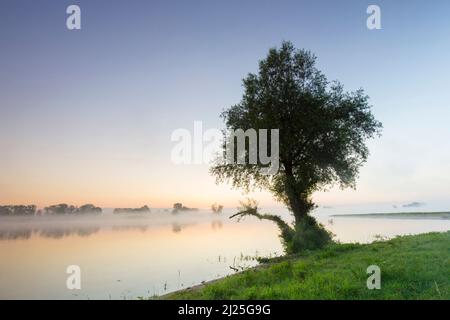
{"x":178,"y":207}
{"x":53,"y":210}
{"x":412,"y":267}
{"x":144,"y":209}
{"x":64,"y":209}
{"x":416,"y":215}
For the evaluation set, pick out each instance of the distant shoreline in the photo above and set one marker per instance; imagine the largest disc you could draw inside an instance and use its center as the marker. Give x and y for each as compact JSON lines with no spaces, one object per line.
{"x":416,"y":215}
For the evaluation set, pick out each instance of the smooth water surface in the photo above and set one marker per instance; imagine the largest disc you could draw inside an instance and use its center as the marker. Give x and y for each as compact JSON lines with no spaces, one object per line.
{"x":126,"y":256}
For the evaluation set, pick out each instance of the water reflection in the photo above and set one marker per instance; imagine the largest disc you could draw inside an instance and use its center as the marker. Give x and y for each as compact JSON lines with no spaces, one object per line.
{"x":126,"y":256}
{"x":47,"y":232}
{"x":61,"y":232}
{"x":15,"y":234}
{"x":141,"y":228}
{"x":216,"y":224}
{"x":59,"y":227}
{"x":177,"y":227}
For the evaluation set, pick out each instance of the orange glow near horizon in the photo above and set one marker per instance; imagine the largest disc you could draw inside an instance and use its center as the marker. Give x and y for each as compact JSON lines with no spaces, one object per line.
{"x":156,"y":182}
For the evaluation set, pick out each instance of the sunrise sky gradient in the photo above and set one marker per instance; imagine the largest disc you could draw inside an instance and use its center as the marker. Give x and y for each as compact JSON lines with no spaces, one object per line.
{"x":86,"y":116}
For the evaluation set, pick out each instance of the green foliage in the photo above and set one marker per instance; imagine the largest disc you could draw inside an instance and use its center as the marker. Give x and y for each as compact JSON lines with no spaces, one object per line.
{"x":144,"y":209}
{"x":412,"y":267}
{"x":64,"y":209}
{"x":307,"y":235}
{"x":322,"y":128}
{"x":19,"y":210}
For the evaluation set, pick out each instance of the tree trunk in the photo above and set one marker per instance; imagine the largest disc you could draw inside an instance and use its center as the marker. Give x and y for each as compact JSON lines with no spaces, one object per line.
{"x":298,"y":202}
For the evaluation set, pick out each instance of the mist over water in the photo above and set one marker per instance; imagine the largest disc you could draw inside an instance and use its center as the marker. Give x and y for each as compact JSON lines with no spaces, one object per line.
{"x":123,"y":256}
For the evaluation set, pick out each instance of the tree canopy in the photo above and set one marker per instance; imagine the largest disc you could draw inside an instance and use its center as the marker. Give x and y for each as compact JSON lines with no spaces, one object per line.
{"x":323,"y":129}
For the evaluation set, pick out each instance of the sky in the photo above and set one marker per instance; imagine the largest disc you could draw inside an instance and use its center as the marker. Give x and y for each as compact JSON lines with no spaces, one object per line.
{"x":86,"y":116}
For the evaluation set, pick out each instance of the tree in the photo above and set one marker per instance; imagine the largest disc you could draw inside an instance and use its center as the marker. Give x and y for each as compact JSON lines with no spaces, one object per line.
{"x":216,"y":208}
{"x":27,"y":210}
{"x":88,"y":208}
{"x":144,"y":209}
{"x":62,"y":208}
{"x":322,"y":135}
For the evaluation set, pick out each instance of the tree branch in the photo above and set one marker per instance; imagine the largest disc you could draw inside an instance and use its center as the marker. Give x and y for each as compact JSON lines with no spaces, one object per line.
{"x":251,"y":209}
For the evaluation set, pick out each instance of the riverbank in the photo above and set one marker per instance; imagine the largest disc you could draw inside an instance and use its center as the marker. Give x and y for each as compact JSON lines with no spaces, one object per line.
{"x":412,"y":267}
{"x":398,"y":215}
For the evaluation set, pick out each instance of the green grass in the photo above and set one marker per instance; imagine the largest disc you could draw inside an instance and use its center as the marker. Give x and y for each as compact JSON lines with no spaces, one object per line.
{"x":412,"y":267}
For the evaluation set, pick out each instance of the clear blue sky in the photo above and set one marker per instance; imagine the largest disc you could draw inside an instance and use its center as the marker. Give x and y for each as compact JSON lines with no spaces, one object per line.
{"x":86,"y":116}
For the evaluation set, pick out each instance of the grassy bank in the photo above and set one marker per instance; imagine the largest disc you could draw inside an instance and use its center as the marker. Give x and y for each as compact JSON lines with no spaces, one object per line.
{"x":412,"y":267}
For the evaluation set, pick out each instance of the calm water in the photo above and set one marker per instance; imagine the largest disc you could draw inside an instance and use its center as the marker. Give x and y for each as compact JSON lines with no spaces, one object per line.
{"x":126,"y":256}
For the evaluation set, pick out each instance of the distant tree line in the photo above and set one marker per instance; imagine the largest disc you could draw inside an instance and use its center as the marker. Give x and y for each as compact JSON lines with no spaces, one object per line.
{"x":66,"y":209}
{"x":20,"y":210}
{"x":144,"y":209}
{"x":179,"y":207}
{"x":69,"y":209}
{"x":58,"y":209}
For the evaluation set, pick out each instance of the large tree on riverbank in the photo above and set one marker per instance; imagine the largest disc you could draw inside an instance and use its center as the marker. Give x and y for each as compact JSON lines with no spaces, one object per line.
{"x":322,"y":135}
